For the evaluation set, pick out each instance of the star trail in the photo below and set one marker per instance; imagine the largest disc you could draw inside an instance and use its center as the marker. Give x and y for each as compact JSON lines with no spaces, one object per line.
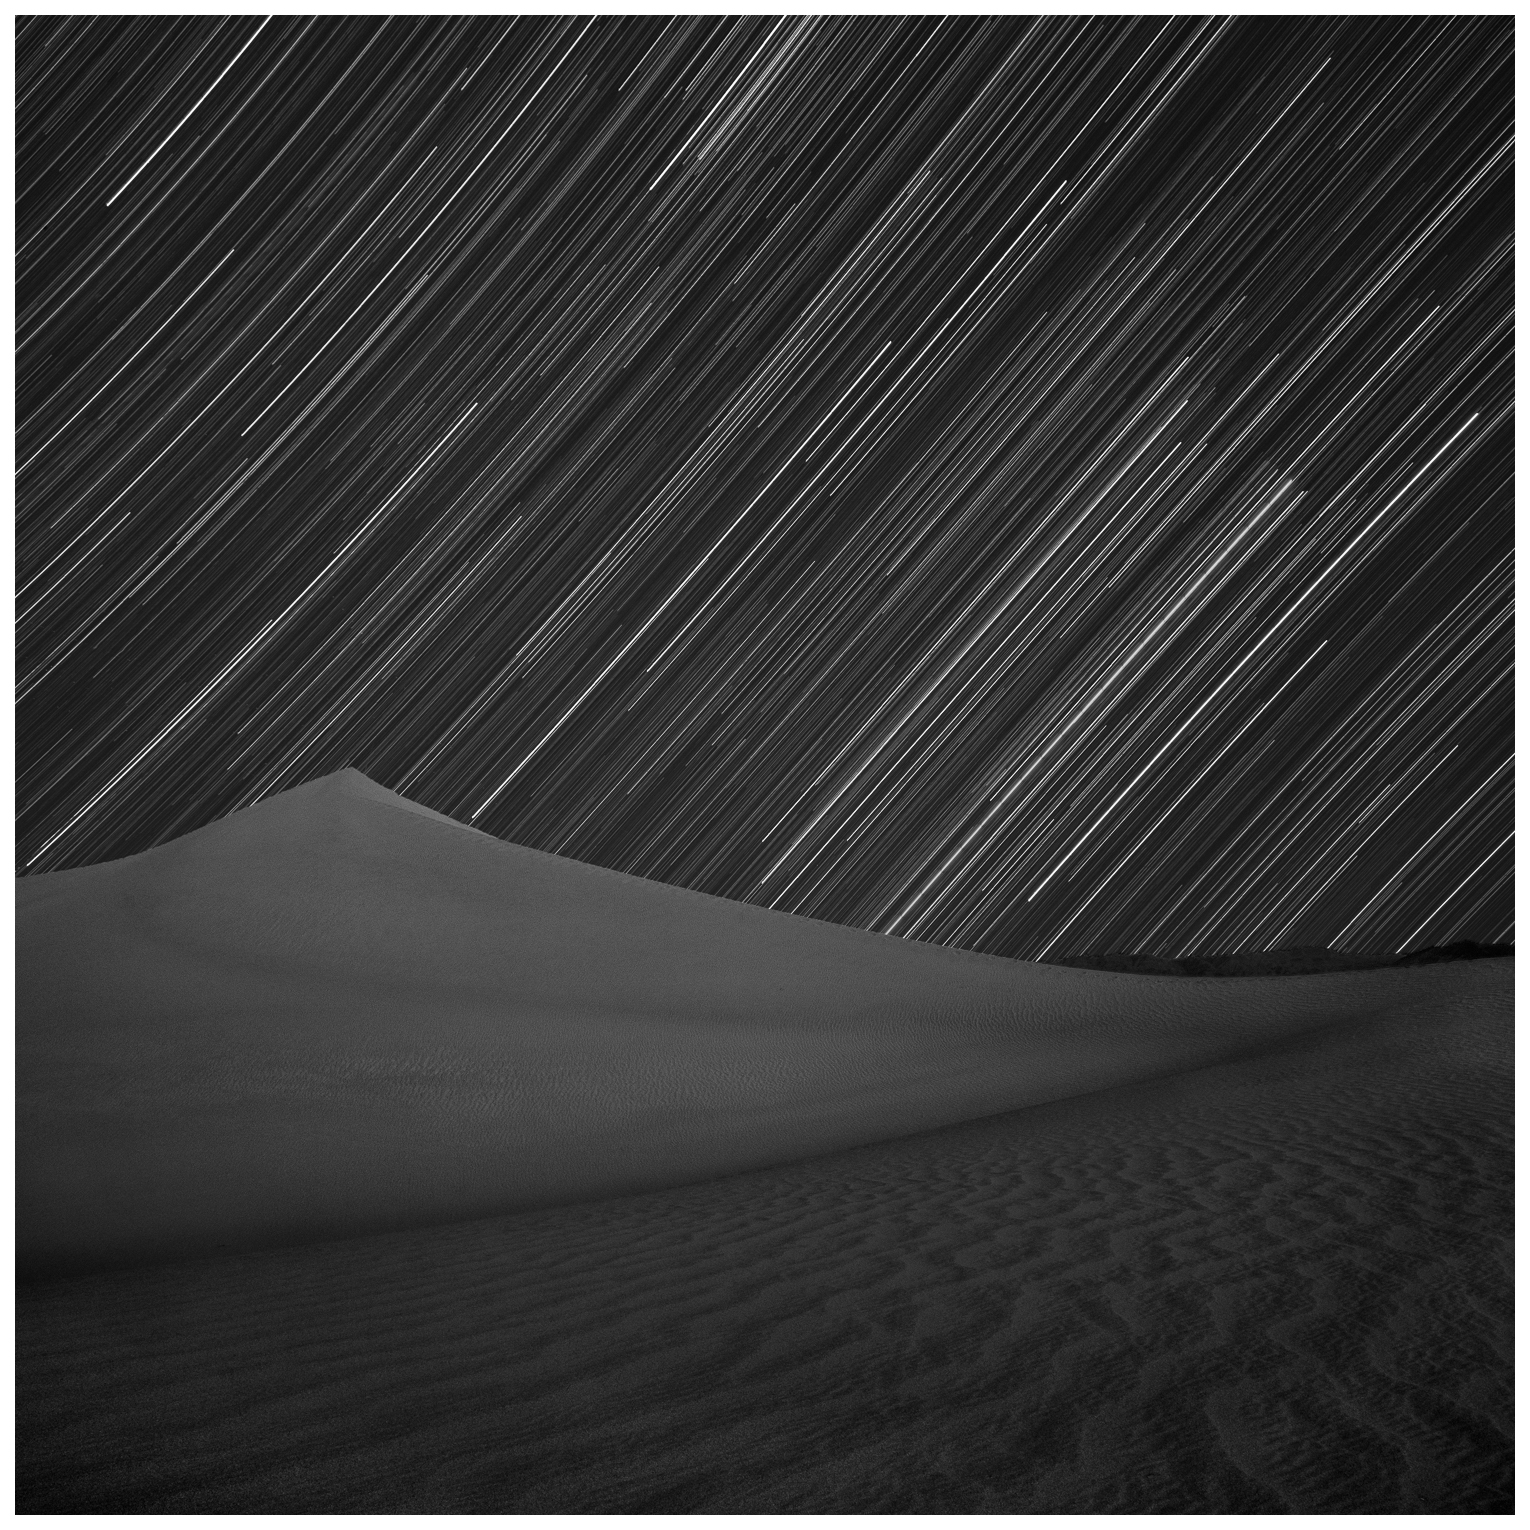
{"x":1033,"y":484}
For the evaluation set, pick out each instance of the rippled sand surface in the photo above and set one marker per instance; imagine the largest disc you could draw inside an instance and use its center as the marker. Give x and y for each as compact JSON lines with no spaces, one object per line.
{"x":1277,"y":1284}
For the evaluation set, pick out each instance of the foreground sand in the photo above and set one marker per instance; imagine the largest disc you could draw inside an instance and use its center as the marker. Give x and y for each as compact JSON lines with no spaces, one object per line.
{"x":521,"y":1186}
{"x":1280,"y":1284}
{"x":337,"y":1013}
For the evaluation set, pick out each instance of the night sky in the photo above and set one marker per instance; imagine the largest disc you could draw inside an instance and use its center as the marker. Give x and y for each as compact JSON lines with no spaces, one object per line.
{"x":1035,"y":484}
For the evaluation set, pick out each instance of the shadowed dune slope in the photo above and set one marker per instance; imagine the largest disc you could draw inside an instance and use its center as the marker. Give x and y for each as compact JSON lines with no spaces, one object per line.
{"x":338,"y":1012}
{"x":1279,"y":1284}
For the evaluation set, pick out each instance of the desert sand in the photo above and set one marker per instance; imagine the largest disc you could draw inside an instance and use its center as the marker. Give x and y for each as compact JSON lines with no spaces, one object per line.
{"x":369,"y":1163}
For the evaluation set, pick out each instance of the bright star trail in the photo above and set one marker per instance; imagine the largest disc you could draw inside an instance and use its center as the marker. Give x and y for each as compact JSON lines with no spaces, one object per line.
{"x":1033,"y":484}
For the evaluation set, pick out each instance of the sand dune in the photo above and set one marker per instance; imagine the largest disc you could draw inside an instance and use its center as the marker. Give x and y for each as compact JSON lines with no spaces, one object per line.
{"x":522,"y":1186}
{"x":337,"y":1012}
{"x":1289,"y":962}
{"x":1280,"y":1284}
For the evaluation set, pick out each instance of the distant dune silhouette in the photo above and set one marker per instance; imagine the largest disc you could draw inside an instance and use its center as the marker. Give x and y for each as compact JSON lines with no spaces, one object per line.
{"x":1289,"y":962}
{"x":367,"y":1163}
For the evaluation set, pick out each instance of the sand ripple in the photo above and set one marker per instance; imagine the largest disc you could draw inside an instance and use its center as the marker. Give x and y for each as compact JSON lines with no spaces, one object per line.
{"x":1276,"y":1285}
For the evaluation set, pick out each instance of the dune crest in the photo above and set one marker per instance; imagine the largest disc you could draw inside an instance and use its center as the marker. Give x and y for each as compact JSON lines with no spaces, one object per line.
{"x":339,"y":1012}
